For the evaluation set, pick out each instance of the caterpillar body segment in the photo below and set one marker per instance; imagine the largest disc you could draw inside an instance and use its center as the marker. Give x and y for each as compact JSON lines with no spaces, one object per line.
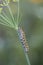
{"x":23,"y":39}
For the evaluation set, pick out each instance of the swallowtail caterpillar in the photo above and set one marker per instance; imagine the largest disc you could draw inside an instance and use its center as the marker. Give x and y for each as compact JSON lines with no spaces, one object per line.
{"x":23,"y":39}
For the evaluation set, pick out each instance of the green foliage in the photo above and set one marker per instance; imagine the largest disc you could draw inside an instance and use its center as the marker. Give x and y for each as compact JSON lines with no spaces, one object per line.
{"x":7,"y":12}
{"x":32,"y":24}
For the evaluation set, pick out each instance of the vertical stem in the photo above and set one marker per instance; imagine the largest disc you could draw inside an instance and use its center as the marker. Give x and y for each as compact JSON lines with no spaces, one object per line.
{"x":18,"y":12}
{"x":27,"y":58}
{"x":21,"y":34}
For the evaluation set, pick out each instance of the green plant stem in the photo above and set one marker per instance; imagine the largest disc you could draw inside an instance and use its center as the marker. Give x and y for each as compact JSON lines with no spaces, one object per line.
{"x":10,"y":22}
{"x":11,"y":14}
{"x":6,"y":25}
{"x":26,"y":55}
{"x":27,"y":58}
{"x":18,"y":12}
{"x":4,"y":19}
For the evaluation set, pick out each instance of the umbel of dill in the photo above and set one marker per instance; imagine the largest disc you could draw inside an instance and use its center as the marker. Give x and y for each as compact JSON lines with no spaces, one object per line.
{"x":10,"y":22}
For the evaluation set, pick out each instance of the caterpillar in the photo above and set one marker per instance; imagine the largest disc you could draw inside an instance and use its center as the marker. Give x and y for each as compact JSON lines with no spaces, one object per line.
{"x":23,"y":39}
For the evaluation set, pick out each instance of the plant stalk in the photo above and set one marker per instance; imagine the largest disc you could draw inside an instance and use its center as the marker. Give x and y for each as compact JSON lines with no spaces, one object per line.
{"x":27,"y":58}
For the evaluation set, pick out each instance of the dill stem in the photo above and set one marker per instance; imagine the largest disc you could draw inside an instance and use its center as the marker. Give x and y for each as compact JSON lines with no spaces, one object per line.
{"x":18,"y":12}
{"x":25,"y":52}
{"x":5,"y":19}
{"x":11,"y":13}
{"x":2,"y":21}
{"x":27,"y":58}
{"x":5,"y":24}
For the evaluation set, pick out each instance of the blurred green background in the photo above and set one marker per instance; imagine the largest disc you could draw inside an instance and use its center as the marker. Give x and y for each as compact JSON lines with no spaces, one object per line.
{"x":11,"y":51}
